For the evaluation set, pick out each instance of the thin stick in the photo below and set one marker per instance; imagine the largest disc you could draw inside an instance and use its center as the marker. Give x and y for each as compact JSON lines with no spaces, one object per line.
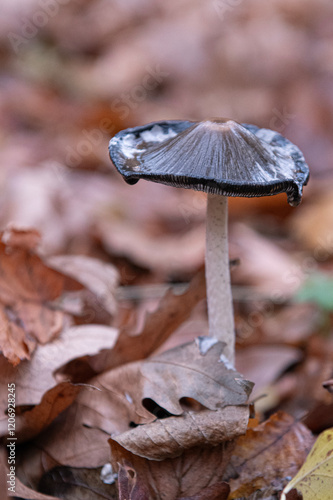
{"x":219,"y":297}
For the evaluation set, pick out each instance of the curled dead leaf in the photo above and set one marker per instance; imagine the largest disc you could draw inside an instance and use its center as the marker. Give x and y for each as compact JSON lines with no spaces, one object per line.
{"x":170,"y":437}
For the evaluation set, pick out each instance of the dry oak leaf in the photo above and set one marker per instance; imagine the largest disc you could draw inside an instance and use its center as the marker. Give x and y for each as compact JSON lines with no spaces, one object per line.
{"x":196,"y":471}
{"x":195,"y":370}
{"x":275,"y":449}
{"x":78,"y":438}
{"x":27,"y":289}
{"x":170,"y":437}
{"x":44,"y":396}
{"x":315,"y":478}
{"x":172,"y":311}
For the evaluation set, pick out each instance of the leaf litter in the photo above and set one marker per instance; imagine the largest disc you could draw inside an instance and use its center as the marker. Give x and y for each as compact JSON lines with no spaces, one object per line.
{"x":63,"y":334}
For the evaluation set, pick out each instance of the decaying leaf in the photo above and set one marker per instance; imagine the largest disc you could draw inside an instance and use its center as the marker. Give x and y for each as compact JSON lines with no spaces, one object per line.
{"x":218,"y":491}
{"x":23,"y":491}
{"x":267,"y":453}
{"x":77,"y":484}
{"x":27,"y":289}
{"x":183,"y":372}
{"x":41,"y":394}
{"x":78,"y":438}
{"x":197,"y":470}
{"x":315,"y":478}
{"x":99,"y":278}
{"x":172,"y":311}
{"x":328,"y":384}
{"x":170,"y":437}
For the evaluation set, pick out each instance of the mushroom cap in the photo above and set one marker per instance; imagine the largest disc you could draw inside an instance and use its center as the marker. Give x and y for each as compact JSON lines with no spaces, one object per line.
{"x":217,"y":156}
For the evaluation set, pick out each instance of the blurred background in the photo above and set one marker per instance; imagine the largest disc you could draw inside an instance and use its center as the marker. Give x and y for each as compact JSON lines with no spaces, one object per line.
{"x":75,"y":72}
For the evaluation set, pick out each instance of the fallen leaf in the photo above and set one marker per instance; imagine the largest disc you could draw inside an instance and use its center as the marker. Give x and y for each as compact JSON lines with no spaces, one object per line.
{"x":171,"y":253}
{"x":77,"y":484}
{"x":171,"y":312}
{"x":197,"y":470}
{"x":138,"y":393}
{"x":23,"y":491}
{"x":320,"y":418}
{"x":44,"y":397}
{"x":218,"y":491}
{"x":271,"y":451}
{"x":263,"y":364}
{"x":315,"y":478}
{"x":27,"y":289}
{"x":99,"y":278}
{"x":170,"y":437}
{"x":328,"y":384}
{"x":256,"y":254}
{"x":312,"y":224}
{"x":131,"y":487}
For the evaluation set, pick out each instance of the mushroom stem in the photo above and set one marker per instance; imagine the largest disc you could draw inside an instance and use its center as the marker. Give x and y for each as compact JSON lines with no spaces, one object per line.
{"x":219,"y":298}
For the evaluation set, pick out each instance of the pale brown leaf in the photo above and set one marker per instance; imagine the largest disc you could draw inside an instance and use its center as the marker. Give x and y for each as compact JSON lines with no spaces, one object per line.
{"x":138,"y":393}
{"x":172,"y":311}
{"x":189,"y":475}
{"x":170,"y":437}
{"x":99,"y":278}
{"x":166,"y":253}
{"x":41,"y":391}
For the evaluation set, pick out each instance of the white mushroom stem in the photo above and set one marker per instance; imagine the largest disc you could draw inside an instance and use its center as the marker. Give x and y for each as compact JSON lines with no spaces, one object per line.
{"x":219,"y":298}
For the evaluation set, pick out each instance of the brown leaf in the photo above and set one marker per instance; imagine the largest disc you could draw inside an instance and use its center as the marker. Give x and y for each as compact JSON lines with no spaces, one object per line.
{"x":172,"y":311}
{"x":294,"y":495}
{"x":130,"y":486}
{"x":263,"y":364}
{"x":42,"y":392}
{"x":27,"y":287}
{"x":28,"y":494}
{"x":99,"y":278}
{"x":77,"y":484}
{"x":218,"y":491}
{"x":196,"y":473}
{"x":183,"y":372}
{"x":312,"y":223}
{"x":179,"y":253}
{"x":170,"y":437}
{"x":79,"y":436}
{"x":275,"y":449}
{"x":328,"y":384}
{"x":32,"y":422}
{"x":256,"y":254}
{"x":28,"y":239}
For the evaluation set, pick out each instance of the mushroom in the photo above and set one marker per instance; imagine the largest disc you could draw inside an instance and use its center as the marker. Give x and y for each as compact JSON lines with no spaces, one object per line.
{"x":222,"y":158}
